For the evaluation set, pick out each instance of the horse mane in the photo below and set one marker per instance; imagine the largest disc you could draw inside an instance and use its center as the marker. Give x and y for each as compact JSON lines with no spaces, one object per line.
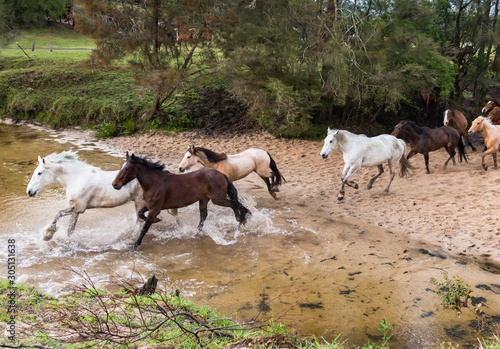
{"x":148,"y":163}
{"x":212,"y":156}
{"x":414,"y":126}
{"x":65,"y":156}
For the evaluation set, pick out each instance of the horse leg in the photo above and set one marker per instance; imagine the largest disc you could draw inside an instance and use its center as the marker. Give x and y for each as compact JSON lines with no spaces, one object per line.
{"x":426,"y":159}
{"x":270,"y":188}
{"x":50,"y":231}
{"x":203,"y":203}
{"x":467,"y":141}
{"x":72,"y":222}
{"x":392,"y":171}
{"x":379,"y":172}
{"x":452,"y":153}
{"x":346,"y":174}
{"x":149,"y":221}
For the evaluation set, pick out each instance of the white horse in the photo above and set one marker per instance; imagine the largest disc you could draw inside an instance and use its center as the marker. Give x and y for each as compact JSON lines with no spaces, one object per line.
{"x":362,"y":151}
{"x":238,"y":165}
{"x":86,"y":187}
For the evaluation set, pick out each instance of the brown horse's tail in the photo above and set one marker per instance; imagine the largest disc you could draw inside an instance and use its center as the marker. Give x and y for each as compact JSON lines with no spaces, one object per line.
{"x":276,"y":178}
{"x":461,"y":150}
{"x":405,"y":166}
{"x":240,"y":211}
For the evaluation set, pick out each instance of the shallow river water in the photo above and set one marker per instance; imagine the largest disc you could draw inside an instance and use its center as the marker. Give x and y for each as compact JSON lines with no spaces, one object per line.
{"x":320,"y":276}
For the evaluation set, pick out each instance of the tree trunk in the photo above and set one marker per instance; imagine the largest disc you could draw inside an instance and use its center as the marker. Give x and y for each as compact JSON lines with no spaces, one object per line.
{"x":148,"y":115}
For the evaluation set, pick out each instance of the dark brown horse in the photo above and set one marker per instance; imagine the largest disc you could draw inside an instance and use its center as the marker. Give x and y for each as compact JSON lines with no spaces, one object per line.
{"x":431,"y":100}
{"x":424,"y":140}
{"x":456,"y":119}
{"x":165,"y":190}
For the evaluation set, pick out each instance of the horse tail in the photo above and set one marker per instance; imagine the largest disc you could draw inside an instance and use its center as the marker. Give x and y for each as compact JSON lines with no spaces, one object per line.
{"x":403,"y":162}
{"x":461,"y":149}
{"x":276,"y":178}
{"x":240,"y":211}
{"x":405,"y":166}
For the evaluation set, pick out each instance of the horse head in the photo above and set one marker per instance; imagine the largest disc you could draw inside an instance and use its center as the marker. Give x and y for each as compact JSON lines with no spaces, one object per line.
{"x":330,"y":143}
{"x":189,"y":159}
{"x":42,"y":176}
{"x":126,"y":174}
{"x":490,"y":105}
{"x":448,"y":114}
{"x":477,"y":124}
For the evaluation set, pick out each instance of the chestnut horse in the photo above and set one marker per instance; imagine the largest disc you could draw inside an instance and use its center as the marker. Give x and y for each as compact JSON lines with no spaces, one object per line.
{"x":493,"y":110}
{"x":431,"y":100}
{"x":424,"y":140}
{"x":456,"y":119}
{"x":491,"y":134}
{"x":165,"y":190}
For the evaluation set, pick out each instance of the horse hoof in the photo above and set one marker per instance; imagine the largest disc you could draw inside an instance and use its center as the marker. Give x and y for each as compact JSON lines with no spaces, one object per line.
{"x":355,"y":186}
{"x":368,"y":187}
{"x":340,"y":197}
{"x":485,"y":167}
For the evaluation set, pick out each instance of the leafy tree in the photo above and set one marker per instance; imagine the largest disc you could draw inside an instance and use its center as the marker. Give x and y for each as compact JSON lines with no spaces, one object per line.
{"x":145,"y":33}
{"x":33,"y":11}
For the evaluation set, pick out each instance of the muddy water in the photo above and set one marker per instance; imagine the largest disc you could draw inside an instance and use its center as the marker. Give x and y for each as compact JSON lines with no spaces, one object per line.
{"x":321,"y":276}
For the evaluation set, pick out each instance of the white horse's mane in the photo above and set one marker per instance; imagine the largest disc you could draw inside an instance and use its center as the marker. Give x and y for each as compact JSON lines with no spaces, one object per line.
{"x":334,"y":130}
{"x":65,"y":156}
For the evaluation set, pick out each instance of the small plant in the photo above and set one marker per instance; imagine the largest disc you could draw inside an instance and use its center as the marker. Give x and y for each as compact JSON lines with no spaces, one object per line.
{"x":455,"y":292}
{"x":384,"y":329}
{"x":108,"y":130}
{"x":129,"y":127}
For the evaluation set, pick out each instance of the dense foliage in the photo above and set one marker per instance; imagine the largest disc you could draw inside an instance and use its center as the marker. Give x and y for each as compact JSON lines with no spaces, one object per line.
{"x":299,"y":63}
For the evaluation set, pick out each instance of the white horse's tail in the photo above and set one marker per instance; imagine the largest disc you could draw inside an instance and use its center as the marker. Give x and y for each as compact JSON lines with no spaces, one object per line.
{"x":403,"y":162}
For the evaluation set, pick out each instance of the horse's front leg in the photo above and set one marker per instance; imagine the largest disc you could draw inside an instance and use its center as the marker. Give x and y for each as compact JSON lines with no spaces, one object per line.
{"x":346,"y":174}
{"x":72,"y":222}
{"x":203,"y":203}
{"x":378,"y":174}
{"x":426,"y":159}
{"x":149,"y":221}
{"x":50,"y":231}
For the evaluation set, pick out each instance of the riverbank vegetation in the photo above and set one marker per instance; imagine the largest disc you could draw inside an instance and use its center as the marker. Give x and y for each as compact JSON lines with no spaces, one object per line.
{"x":146,"y":317}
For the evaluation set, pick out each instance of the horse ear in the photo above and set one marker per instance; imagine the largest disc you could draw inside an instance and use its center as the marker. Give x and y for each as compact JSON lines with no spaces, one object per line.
{"x":126,"y":154}
{"x":132,"y":157}
{"x":40,"y":160}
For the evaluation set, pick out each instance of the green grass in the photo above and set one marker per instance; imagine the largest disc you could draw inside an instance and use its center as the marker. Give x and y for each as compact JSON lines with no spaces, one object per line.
{"x":60,"y":36}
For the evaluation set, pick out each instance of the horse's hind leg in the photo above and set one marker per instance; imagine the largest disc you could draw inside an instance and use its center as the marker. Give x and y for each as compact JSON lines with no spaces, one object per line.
{"x":270,"y":187}
{"x":378,"y":174}
{"x":392,"y":171}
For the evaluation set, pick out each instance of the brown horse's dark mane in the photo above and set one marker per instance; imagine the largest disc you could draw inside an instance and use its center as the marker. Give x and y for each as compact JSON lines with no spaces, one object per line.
{"x":148,"y":163}
{"x":211,"y":155}
{"x":414,"y":126}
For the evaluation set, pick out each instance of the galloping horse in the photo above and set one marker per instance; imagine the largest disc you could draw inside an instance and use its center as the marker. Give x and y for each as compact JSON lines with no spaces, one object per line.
{"x":238,"y":165}
{"x":456,"y":119}
{"x":165,"y":190}
{"x":361,"y":151}
{"x":424,"y":140}
{"x":493,"y":110}
{"x":86,"y":187}
{"x":491,"y":134}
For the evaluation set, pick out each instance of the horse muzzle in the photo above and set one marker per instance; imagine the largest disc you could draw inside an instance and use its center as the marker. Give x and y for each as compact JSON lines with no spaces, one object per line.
{"x":32,"y":193}
{"x":182,"y":169}
{"x":116,"y":186}
{"x":325,"y":156}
